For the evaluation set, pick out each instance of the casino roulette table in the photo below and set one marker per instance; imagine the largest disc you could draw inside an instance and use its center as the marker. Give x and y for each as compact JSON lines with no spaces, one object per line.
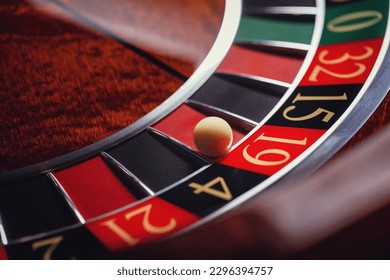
{"x":100,"y":100}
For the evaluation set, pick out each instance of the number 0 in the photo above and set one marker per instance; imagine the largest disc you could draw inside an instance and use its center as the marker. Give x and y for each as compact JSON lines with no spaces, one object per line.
{"x":336,"y":24}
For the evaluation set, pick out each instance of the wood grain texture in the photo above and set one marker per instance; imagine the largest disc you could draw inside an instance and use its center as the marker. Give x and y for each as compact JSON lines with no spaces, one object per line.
{"x":64,"y":86}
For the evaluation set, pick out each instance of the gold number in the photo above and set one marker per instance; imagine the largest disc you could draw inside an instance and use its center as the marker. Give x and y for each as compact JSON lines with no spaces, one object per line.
{"x":301,"y":97}
{"x":131,"y":241}
{"x":335,"y":25}
{"x":225,"y":194}
{"x":257,"y":161}
{"x":317,"y":112}
{"x":146,"y":222}
{"x":345,"y":57}
{"x":52,"y":244}
{"x":318,"y":68}
{"x":285,"y":155}
{"x":281,"y":140}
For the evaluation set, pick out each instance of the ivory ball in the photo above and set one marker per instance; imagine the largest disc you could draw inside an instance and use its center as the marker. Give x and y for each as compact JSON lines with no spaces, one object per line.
{"x":213,"y":136}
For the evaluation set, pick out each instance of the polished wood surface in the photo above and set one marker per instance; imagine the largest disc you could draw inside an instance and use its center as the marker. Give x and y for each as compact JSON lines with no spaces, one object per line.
{"x":64,"y":87}
{"x":76,"y":72}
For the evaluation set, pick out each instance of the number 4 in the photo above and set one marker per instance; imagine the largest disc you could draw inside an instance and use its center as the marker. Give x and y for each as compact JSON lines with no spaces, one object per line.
{"x":224,"y":194}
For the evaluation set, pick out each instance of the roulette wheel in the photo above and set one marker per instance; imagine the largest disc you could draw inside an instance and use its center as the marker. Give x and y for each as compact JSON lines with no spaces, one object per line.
{"x":99,"y":103}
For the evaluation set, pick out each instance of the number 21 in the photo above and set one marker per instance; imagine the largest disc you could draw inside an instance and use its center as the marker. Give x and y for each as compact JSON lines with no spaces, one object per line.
{"x":146,"y":224}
